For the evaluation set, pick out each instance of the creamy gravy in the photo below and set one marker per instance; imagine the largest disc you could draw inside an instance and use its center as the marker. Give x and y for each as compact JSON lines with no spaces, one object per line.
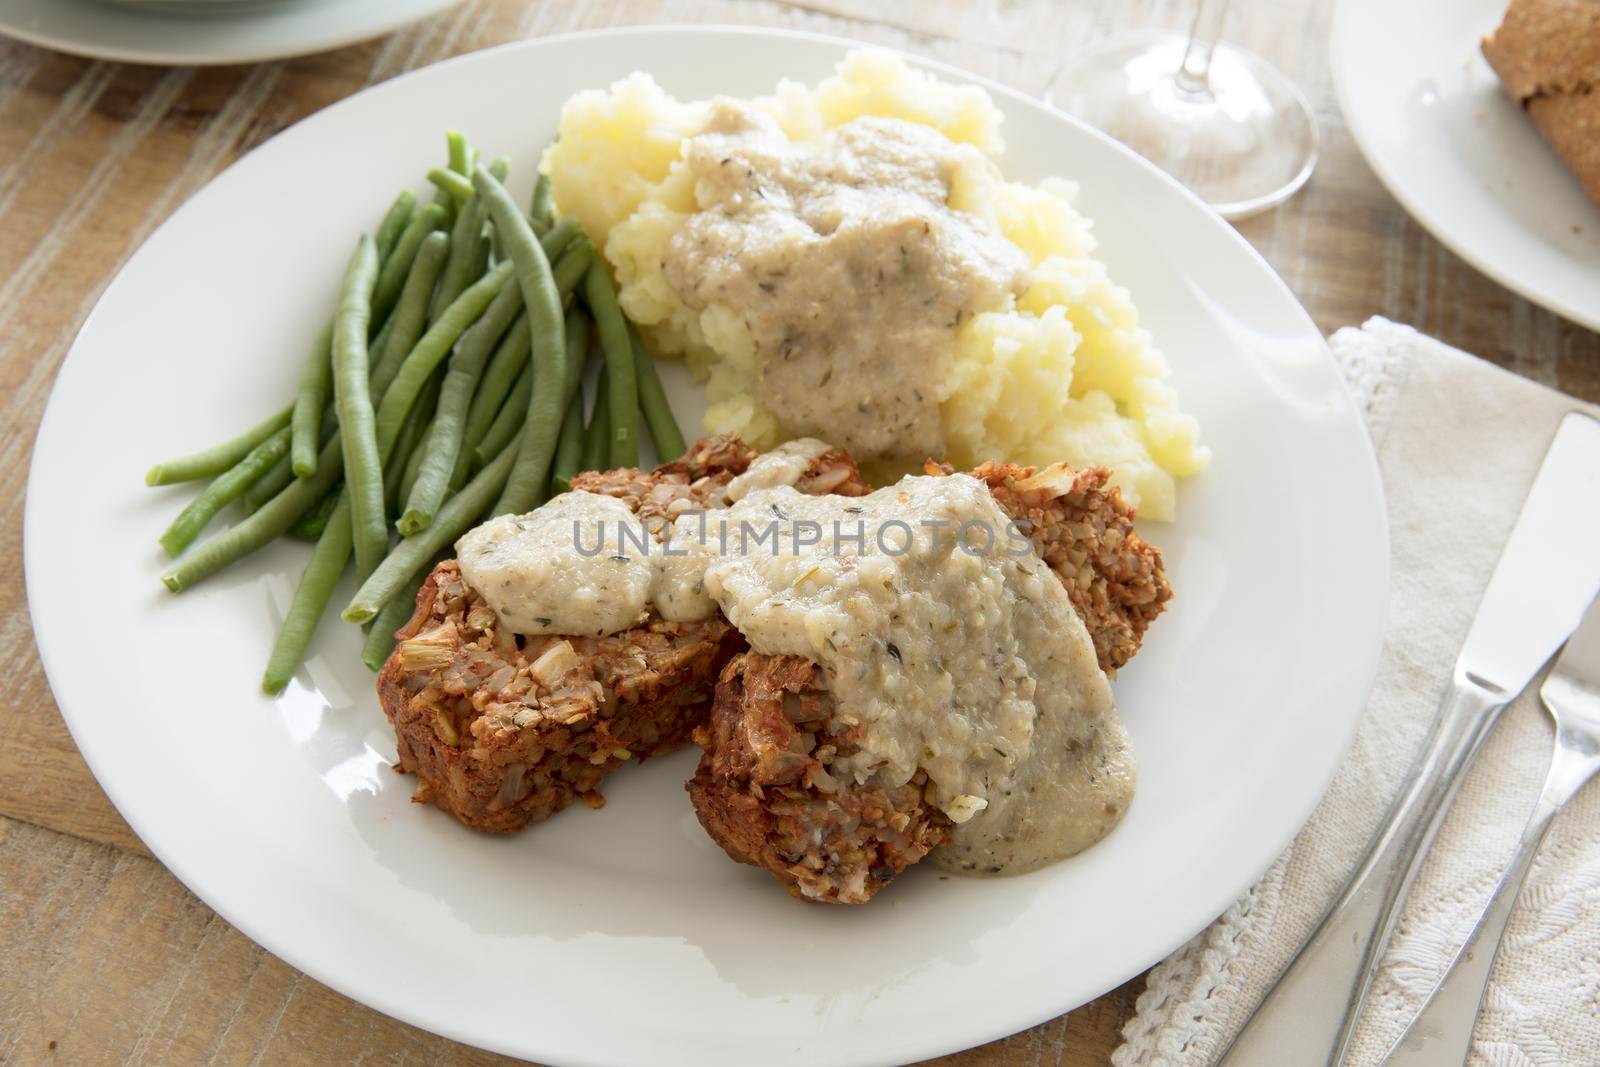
{"x":577,"y":565}
{"x":784,"y":465}
{"x":583,"y":563}
{"x":959,"y":655}
{"x":939,"y":629}
{"x":848,"y":267}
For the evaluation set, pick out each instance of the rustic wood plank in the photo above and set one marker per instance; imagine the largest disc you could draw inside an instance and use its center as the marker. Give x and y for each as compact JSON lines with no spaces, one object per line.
{"x":106,"y":953}
{"x":109,"y":958}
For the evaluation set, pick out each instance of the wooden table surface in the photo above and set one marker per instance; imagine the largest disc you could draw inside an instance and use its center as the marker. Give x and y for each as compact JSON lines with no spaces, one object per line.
{"x":104,"y":956}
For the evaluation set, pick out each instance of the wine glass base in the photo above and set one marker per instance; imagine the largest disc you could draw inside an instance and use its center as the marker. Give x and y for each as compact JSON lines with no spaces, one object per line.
{"x":1244,"y":142}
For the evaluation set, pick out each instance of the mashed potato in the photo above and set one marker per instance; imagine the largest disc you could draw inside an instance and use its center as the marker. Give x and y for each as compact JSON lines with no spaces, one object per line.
{"x":1062,"y":372}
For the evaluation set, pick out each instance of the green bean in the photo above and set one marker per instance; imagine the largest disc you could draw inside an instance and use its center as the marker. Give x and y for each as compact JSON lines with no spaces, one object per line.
{"x":469,"y":257}
{"x":261,"y":527}
{"x":272,"y":482}
{"x":478,"y":341}
{"x":442,"y":444}
{"x":540,"y":212}
{"x":464,"y":466}
{"x":395,"y":614}
{"x":210,"y":462}
{"x":392,"y":278}
{"x":412,"y":467}
{"x":530,"y":475}
{"x":508,"y":422}
{"x":623,"y":395}
{"x":309,"y":526}
{"x":577,"y":328}
{"x":388,"y":351}
{"x":316,"y":384}
{"x":363,"y":464}
{"x":664,"y":430}
{"x":450,"y":183}
{"x":459,"y":513}
{"x":501,"y":169}
{"x":311,"y":598}
{"x":432,"y":349}
{"x":569,"y":446}
{"x":277,"y":500}
{"x":267,"y":486}
{"x":410,"y":312}
{"x":559,"y":238}
{"x":222,"y":490}
{"x":394,"y":222}
{"x":381,"y":338}
{"x":570,"y":251}
{"x":568,"y":274}
{"x":572,"y":266}
{"x":494,"y":392}
{"x":460,"y":152}
{"x":422,"y":416}
{"x":315,"y":589}
{"x":597,"y":438}
{"x":316,"y":378}
{"x":398,"y":465}
{"x":337,"y":534}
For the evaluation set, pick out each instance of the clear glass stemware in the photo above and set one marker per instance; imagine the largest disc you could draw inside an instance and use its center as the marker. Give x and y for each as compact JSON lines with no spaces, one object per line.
{"x":1223,"y":121}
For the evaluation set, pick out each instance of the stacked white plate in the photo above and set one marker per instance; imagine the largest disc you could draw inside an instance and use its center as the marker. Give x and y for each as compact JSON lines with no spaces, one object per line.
{"x":1428,"y":113}
{"x":204,"y":32}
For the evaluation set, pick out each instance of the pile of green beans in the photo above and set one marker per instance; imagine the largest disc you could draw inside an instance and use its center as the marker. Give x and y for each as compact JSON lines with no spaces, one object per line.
{"x":444,"y":387}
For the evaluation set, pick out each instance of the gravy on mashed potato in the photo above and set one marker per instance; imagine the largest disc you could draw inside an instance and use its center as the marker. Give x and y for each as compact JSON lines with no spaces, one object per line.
{"x":1048,"y":365}
{"x":849,"y":268}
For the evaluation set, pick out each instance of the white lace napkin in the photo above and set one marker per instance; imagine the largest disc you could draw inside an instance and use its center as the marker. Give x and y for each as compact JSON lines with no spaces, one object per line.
{"x":1458,"y":441}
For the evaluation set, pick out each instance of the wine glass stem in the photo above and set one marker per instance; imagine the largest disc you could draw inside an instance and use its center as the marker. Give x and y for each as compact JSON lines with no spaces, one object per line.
{"x":1194,"y":74}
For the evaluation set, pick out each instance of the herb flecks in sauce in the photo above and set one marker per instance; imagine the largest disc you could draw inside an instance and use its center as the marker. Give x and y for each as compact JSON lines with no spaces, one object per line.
{"x":850,"y":270}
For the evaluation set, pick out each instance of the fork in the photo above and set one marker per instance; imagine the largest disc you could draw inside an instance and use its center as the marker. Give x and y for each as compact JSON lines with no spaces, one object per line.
{"x":1442,"y":1031}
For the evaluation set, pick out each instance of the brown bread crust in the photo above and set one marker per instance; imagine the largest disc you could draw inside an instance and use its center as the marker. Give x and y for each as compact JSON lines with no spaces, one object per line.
{"x":1547,"y":54}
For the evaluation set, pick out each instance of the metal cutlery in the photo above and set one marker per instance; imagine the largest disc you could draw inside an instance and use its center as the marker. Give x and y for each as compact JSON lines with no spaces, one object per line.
{"x":1442,"y":1031}
{"x":1547,"y":575}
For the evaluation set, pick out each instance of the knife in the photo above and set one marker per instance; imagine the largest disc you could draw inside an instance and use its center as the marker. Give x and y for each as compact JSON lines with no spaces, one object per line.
{"x":1548,"y":573}
{"x":1441,"y":1034}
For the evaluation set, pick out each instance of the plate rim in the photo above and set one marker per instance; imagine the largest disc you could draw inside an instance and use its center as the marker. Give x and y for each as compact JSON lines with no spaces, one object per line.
{"x":164,"y":57}
{"x":1364,"y":456}
{"x":1418,"y":207}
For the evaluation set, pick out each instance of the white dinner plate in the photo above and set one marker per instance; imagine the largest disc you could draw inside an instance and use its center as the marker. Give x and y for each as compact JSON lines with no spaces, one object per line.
{"x":1429,"y":114}
{"x":237,"y":32}
{"x":624,"y":935}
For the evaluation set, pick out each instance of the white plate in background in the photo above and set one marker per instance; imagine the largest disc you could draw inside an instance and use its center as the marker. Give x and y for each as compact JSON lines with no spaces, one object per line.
{"x":1429,"y":114}
{"x":239,"y":32}
{"x":625,"y":935}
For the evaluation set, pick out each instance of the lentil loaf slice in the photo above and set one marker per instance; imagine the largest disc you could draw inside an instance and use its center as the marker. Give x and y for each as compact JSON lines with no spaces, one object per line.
{"x":1083,"y":530}
{"x":502,"y":731}
{"x":763,"y":789}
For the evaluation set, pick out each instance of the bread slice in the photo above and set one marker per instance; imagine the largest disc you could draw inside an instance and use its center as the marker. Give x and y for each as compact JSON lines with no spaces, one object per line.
{"x":1547,"y":54}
